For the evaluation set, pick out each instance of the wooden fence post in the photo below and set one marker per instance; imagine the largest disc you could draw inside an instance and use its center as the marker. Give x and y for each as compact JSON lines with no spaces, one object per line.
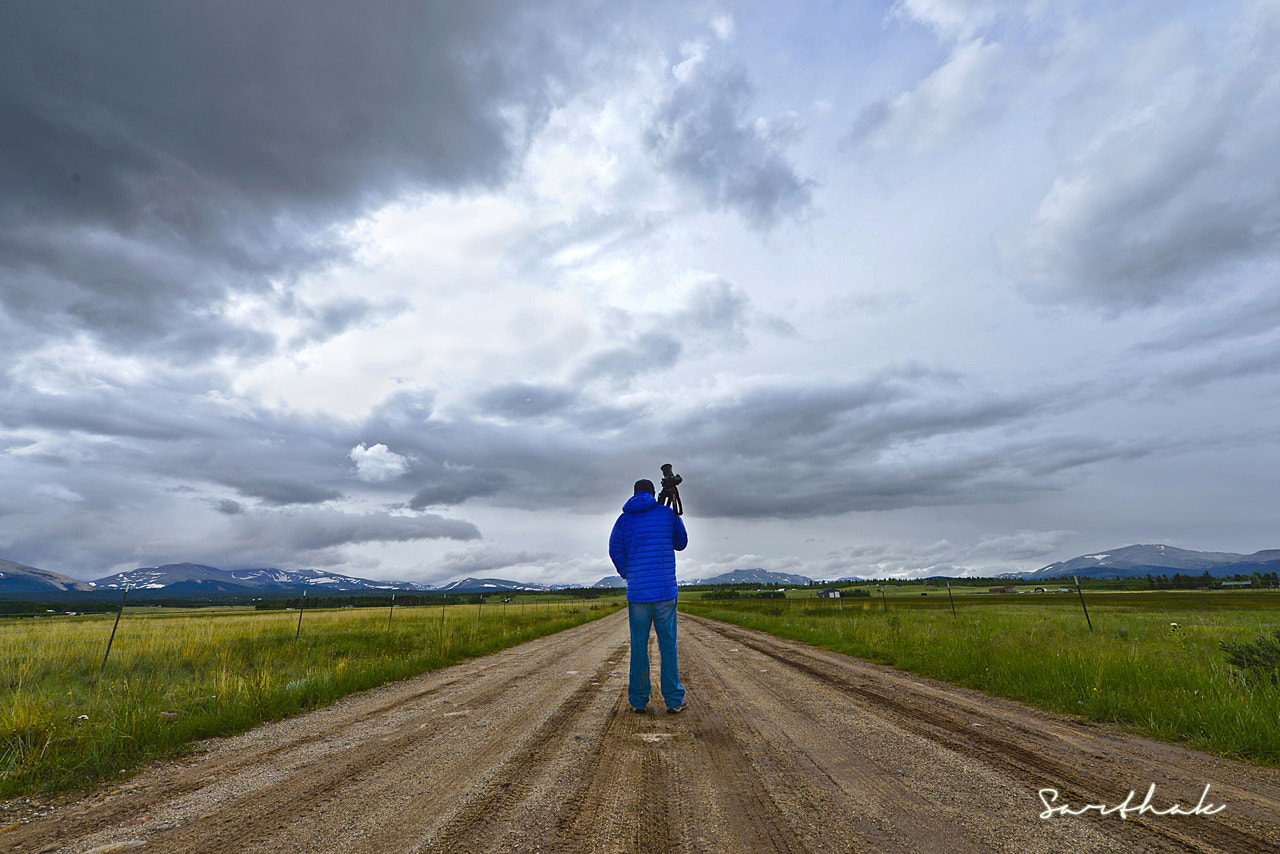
{"x":952,"y":598}
{"x":1082,"y":605}
{"x":115,"y":626}
{"x":442,"y":603}
{"x":301,"y":607}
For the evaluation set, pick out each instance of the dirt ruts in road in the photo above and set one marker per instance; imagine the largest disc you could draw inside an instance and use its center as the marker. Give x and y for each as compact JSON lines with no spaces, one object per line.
{"x":784,"y":748}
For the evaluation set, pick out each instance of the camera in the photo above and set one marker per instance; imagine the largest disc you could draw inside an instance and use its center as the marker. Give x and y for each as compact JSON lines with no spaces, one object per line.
{"x":670,"y":495}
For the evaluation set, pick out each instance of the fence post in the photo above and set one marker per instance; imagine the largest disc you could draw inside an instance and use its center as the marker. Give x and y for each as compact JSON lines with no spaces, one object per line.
{"x":392,"y":611}
{"x":302,"y":607}
{"x":952,"y":598}
{"x":1082,"y":605}
{"x":115,"y":626}
{"x":884,"y":601}
{"x":442,"y":603}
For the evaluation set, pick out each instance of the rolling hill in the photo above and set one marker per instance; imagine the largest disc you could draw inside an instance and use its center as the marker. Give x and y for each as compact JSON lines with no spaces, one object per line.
{"x":1141,"y":560}
{"x":20,"y":578}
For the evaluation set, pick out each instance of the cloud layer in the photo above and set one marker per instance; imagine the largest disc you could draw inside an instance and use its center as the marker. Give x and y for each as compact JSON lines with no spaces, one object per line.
{"x":419,"y":290}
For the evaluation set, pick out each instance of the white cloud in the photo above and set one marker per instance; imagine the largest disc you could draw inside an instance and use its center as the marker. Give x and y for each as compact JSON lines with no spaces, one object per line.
{"x":960,"y":19}
{"x":378,"y":463}
{"x":723,"y":27}
{"x":955,"y":96}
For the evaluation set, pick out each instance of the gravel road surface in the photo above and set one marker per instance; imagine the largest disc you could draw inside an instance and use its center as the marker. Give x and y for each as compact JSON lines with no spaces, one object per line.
{"x":784,"y":747}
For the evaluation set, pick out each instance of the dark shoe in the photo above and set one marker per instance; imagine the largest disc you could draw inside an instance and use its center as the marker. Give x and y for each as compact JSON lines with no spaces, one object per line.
{"x":675,"y":710}
{"x":639,"y":710}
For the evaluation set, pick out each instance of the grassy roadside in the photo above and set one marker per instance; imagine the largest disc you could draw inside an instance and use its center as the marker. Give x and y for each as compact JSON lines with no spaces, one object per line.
{"x":1134,"y":670}
{"x":173,"y":678}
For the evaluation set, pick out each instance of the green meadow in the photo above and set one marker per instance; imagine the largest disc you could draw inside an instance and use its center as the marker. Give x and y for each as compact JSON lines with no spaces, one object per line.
{"x":176,"y":676}
{"x":1151,"y":664}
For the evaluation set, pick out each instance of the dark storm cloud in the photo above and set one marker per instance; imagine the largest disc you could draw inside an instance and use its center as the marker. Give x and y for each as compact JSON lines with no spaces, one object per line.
{"x":275,"y":489}
{"x":1181,"y":194}
{"x":718,"y":308}
{"x":319,"y":529}
{"x":901,"y":438}
{"x":714,"y":316}
{"x":895,"y":440}
{"x":448,"y":486}
{"x":645,"y":354}
{"x":322,"y":322}
{"x":229,"y":508}
{"x":1215,"y":325}
{"x":524,"y":400}
{"x":105,"y":411}
{"x":158,"y":158}
{"x":177,"y":426}
{"x":1254,"y":361}
{"x":703,"y":137}
{"x":483,"y":559}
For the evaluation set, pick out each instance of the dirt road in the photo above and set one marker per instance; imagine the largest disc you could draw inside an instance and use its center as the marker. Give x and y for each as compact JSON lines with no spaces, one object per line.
{"x":783,"y":748}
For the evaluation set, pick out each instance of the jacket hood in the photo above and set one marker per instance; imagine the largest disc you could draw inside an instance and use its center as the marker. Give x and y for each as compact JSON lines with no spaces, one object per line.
{"x":641,"y":502}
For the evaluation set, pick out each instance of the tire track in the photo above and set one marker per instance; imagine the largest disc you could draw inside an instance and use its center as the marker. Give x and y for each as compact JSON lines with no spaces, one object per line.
{"x":1000,"y":745}
{"x":482,"y":818}
{"x":239,"y":825}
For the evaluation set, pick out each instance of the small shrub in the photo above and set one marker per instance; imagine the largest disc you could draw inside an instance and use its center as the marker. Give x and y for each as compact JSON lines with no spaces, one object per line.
{"x":1259,"y":659}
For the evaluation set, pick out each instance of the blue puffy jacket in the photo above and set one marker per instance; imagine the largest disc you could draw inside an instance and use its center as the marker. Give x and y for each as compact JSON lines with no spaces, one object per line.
{"x":643,"y":547}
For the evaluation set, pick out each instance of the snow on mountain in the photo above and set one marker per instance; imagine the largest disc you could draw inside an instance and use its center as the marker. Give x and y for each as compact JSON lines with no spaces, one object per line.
{"x":754,"y":576}
{"x":1159,"y":559}
{"x":489,"y":585}
{"x":197,"y":577}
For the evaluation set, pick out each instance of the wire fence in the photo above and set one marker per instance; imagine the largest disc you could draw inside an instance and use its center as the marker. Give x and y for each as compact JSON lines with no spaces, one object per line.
{"x":64,"y":637}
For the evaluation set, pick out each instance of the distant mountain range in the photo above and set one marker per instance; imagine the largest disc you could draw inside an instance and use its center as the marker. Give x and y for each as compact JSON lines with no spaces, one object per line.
{"x":194,"y":578}
{"x":1145,"y":560}
{"x":20,"y":578}
{"x":736,"y":576}
{"x":198,"y":579}
{"x":755,"y":576}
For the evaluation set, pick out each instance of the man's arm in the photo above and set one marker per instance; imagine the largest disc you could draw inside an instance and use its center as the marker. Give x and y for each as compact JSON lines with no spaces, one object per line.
{"x":618,"y":548}
{"x":679,"y":536}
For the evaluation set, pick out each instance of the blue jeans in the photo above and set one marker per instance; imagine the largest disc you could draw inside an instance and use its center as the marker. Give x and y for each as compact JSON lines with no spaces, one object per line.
{"x":662,"y":616}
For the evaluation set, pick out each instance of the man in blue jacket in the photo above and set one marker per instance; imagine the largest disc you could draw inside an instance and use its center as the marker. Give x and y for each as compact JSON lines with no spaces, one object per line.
{"x":643,"y":548}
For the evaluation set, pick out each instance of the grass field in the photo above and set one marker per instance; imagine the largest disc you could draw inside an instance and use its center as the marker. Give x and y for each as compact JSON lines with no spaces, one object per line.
{"x":1134,"y":670}
{"x":177,"y":676}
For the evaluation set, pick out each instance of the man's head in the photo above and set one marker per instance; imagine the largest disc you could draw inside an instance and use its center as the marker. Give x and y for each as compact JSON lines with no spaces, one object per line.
{"x":645,"y":486}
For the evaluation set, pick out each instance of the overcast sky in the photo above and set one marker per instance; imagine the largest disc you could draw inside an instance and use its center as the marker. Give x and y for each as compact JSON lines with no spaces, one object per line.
{"x":417,"y":290}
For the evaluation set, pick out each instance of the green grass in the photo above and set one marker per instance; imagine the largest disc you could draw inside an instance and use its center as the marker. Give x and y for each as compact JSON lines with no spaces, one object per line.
{"x":1134,"y":670}
{"x":177,"y":676}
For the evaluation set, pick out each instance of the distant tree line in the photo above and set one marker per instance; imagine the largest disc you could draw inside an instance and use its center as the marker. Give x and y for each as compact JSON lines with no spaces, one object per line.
{"x":1181,"y":582}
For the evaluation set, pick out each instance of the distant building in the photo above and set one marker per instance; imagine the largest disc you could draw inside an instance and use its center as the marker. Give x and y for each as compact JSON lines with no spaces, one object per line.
{"x":829,"y":593}
{"x":1237,"y":583}
{"x":1008,"y":588}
